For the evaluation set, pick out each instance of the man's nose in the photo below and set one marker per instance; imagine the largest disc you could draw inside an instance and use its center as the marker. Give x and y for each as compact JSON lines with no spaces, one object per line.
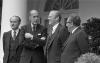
{"x":36,"y":17}
{"x":48,"y":18}
{"x":12,"y":24}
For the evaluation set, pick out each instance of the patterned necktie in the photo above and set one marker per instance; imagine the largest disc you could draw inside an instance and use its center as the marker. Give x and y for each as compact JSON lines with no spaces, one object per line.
{"x":14,"y":36}
{"x":50,"y":31}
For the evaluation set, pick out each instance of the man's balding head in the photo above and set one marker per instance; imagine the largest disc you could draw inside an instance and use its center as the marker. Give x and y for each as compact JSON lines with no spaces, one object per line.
{"x":75,"y":20}
{"x":55,"y":13}
{"x":54,"y":17}
{"x":34,"y":16}
{"x":34,"y":12}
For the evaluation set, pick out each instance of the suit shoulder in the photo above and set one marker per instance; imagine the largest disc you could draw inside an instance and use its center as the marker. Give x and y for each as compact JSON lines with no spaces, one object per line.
{"x":63,"y":28}
{"x":82,"y":33}
{"x":43,"y":27}
{"x":25,"y":26}
{"x":40,"y":25}
{"x":5,"y":33}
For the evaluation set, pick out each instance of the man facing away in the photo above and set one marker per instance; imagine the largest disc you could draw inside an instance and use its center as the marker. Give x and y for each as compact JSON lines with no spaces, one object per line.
{"x":35,"y":38}
{"x":57,"y":35}
{"x":77,"y":43}
{"x":12,"y":41}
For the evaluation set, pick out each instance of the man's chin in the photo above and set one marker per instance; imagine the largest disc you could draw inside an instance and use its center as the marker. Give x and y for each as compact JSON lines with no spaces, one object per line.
{"x":14,"y":28}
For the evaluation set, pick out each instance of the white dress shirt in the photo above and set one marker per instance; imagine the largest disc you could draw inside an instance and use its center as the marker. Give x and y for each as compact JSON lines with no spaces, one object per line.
{"x":55,"y":27}
{"x":32,"y":26}
{"x":12,"y":32}
{"x":74,"y":30}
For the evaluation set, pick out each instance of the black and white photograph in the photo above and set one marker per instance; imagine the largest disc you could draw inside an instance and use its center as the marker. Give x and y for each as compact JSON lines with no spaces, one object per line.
{"x":49,"y":31}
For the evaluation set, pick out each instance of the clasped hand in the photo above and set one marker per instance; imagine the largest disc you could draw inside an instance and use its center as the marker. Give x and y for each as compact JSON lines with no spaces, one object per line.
{"x":42,"y":38}
{"x":28,"y":35}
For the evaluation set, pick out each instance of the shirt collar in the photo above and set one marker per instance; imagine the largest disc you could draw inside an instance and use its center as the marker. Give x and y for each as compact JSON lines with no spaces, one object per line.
{"x":17,"y":30}
{"x":32,"y":25}
{"x":74,"y":30}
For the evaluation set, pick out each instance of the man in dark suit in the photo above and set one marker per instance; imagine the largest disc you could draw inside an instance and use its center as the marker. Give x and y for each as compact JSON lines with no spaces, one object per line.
{"x":57,"y":35}
{"x":77,"y":43}
{"x":35,"y":38}
{"x":12,"y":41}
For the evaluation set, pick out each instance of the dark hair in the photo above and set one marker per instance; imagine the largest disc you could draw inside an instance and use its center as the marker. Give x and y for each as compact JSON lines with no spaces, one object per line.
{"x":76,"y":21}
{"x":17,"y":17}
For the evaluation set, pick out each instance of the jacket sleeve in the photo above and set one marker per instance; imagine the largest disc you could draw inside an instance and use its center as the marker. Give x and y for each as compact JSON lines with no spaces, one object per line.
{"x":38,"y":39}
{"x":83,"y":41}
{"x":28,"y":43}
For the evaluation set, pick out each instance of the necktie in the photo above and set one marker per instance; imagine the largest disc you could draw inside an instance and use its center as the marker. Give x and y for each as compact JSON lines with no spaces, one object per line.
{"x":14,"y":36}
{"x":34,"y":27}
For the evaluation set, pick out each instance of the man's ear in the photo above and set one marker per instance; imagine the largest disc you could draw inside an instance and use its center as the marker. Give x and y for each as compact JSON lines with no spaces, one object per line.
{"x":57,"y":18}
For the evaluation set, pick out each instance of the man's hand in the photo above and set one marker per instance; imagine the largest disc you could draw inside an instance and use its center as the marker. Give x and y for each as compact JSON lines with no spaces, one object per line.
{"x":42,"y":38}
{"x":28,"y":35}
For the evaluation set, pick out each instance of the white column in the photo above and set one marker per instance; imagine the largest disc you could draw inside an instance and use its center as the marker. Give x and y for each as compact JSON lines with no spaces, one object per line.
{"x":9,"y":9}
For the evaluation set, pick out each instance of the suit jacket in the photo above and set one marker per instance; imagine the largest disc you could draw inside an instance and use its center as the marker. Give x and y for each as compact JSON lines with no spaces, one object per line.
{"x":54,"y":43}
{"x":76,"y":45}
{"x":6,"y":45}
{"x":32,"y":52}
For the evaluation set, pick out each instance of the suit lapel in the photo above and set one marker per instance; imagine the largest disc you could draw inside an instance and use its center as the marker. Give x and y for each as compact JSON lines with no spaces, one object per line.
{"x":9,"y":36}
{"x":29,"y":29}
{"x":77,"y":30}
{"x":53,"y":36}
{"x":67,"y":41}
{"x":38,"y":28}
{"x":71,"y":37}
{"x":19,"y":36}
